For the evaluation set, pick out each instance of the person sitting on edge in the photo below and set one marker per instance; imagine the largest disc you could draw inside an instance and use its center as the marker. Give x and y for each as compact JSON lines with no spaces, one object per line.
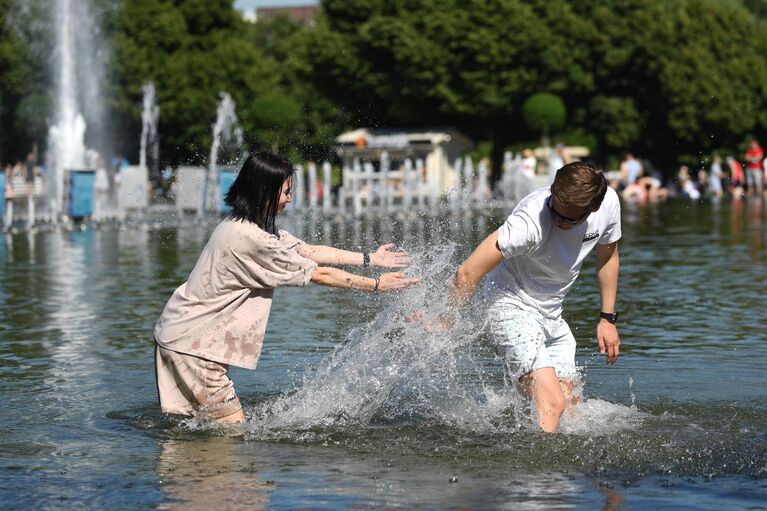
{"x":218,"y":316}
{"x":531,"y":262}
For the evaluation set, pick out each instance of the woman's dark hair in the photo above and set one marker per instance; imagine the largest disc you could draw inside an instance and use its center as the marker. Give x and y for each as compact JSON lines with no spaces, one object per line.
{"x":255,"y":194}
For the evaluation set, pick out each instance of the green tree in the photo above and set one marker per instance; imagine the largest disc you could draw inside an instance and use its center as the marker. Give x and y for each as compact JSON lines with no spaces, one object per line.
{"x":24,"y":105}
{"x":191,"y":50}
{"x":296,"y":118}
{"x":674,"y":77}
{"x":663,"y":78}
{"x":616,"y":120}
{"x":468,"y":63}
{"x":544,"y":112}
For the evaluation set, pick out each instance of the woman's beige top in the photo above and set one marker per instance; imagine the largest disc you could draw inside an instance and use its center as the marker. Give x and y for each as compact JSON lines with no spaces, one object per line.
{"x":221,"y":312}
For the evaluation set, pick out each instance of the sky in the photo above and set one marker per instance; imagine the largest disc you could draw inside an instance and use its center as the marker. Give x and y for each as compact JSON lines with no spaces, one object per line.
{"x":249,"y":5}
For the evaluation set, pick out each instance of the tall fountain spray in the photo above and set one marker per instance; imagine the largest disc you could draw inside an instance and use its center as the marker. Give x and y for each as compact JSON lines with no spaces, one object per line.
{"x":326,"y":204}
{"x":386,"y":192}
{"x":150,"y":142}
{"x":356,"y":198}
{"x":421,"y":183}
{"x":313,"y":194}
{"x":299,"y":188}
{"x":482,"y":188}
{"x":66,"y":138}
{"x":468,"y":181}
{"x":225,"y":130}
{"x":456,"y":193}
{"x":407,"y":184}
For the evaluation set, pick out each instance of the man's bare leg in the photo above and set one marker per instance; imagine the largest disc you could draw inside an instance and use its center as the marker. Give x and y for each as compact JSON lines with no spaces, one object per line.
{"x":568,"y":386}
{"x":543,"y":386}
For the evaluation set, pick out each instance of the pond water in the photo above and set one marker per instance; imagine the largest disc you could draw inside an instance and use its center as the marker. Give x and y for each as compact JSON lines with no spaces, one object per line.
{"x":354,"y":407}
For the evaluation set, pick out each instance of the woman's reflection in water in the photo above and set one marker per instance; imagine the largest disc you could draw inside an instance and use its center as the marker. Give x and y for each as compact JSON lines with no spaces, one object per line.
{"x":207,"y":474}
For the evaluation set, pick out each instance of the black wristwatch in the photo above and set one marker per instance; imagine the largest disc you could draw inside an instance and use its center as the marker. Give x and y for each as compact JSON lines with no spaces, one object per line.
{"x":612,"y":317}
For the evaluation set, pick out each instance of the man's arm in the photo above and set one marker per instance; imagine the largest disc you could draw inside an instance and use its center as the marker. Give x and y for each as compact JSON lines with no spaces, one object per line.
{"x":484,"y":258}
{"x":608,"y":265}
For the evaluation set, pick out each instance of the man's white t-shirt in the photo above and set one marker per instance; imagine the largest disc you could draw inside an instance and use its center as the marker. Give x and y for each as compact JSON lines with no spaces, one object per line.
{"x":541,"y":260}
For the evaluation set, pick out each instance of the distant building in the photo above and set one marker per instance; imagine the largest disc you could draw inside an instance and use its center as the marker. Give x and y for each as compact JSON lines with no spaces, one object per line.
{"x":305,"y":15}
{"x":438,"y":148}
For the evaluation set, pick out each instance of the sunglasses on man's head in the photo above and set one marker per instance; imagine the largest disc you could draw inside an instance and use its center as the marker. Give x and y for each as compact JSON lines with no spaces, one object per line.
{"x":565,"y":219}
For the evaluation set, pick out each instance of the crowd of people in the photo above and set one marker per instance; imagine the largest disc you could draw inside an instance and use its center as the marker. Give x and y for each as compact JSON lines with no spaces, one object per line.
{"x":639,"y":181}
{"x":23,"y":177}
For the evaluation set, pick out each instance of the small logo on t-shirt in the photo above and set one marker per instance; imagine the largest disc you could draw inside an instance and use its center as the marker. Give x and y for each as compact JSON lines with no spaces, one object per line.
{"x":590,"y":236}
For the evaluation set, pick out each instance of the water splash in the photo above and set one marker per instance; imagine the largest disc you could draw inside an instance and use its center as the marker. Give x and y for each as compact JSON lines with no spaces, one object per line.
{"x":227,"y":133}
{"x":393,"y":371}
{"x":150,"y":115}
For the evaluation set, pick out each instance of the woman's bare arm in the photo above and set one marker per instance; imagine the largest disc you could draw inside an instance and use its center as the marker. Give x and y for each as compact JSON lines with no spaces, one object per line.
{"x":333,"y":277}
{"x":383,"y":257}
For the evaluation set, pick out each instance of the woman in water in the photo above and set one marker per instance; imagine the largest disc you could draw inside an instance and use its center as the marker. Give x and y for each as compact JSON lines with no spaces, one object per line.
{"x":218,"y":316}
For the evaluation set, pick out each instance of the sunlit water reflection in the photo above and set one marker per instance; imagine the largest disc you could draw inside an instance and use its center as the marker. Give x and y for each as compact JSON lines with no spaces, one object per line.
{"x":353,"y":405}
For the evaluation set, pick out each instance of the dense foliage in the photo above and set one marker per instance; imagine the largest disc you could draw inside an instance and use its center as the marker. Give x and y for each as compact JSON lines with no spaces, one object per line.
{"x":668,"y":80}
{"x":191,"y":51}
{"x":24,"y":101}
{"x":662,"y":78}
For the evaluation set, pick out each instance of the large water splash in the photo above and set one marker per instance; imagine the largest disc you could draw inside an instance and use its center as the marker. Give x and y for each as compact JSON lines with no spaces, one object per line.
{"x":393,"y":369}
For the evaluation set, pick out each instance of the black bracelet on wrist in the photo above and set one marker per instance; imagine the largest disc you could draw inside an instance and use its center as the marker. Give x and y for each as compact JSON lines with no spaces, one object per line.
{"x":378,"y":281}
{"x":365,"y":259}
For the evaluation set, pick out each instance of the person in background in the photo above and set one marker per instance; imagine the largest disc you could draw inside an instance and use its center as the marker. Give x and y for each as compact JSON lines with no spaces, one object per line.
{"x":686,"y":185}
{"x":529,"y":162}
{"x":764,"y":168}
{"x":652,"y":182}
{"x":631,"y":169}
{"x":557,"y":159}
{"x":737,"y":177}
{"x":8,"y":191}
{"x":218,"y":317}
{"x":754,"y":176}
{"x":631,"y":172}
{"x":703,"y":181}
{"x":31,"y":169}
{"x":715,"y":177}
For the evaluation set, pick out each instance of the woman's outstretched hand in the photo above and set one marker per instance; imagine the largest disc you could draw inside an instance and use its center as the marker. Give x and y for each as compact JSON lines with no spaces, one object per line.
{"x":396,"y":280}
{"x":386,"y":258}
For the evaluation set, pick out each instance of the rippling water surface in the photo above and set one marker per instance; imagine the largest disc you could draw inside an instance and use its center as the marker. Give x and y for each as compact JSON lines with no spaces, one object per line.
{"x":353,"y":406}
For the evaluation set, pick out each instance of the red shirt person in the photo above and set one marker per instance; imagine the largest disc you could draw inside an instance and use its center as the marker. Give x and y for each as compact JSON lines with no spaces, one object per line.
{"x":737,"y":176}
{"x":754,"y":177}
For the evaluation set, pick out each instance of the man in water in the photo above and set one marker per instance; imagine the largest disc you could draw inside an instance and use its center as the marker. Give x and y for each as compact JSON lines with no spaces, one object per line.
{"x":531,"y":263}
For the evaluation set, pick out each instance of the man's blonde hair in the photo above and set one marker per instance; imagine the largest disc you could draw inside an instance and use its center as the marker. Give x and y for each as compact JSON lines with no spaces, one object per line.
{"x":579,"y":185}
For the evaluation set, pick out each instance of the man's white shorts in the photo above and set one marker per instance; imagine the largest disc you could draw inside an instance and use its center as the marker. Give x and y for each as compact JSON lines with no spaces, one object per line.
{"x":528,"y":341}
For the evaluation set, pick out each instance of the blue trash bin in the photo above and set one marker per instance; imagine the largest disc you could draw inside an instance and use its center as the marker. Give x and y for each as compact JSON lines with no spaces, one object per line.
{"x":225,"y":179}
{"x":81,"y":193}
